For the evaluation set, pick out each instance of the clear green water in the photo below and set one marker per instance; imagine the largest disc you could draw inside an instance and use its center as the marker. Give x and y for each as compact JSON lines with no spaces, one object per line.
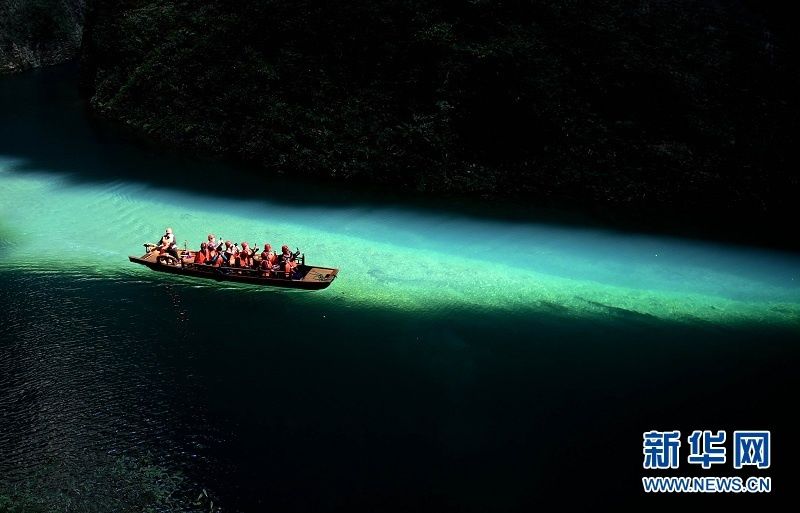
{"x":459,"y":363}
{"x":403,"y":259}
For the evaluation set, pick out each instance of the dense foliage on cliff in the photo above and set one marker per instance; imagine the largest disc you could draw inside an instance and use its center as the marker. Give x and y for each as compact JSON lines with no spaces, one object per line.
{"x":39,"y":32}
{"x":688,"y":104}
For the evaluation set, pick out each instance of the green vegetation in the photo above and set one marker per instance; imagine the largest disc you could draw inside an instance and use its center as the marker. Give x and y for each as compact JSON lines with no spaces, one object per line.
{"x":646,"y":105}
{"x":37,"y":32}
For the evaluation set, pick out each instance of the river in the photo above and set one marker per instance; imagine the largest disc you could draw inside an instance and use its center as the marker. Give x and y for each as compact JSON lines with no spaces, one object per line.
{"x":460,"y":361}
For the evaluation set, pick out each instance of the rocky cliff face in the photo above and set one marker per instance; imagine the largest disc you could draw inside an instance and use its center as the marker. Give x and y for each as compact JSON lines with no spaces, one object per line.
{"x":39,"y":32}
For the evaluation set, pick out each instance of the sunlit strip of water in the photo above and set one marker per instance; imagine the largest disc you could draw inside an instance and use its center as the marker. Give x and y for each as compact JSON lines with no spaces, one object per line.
{"x":400,"y":259}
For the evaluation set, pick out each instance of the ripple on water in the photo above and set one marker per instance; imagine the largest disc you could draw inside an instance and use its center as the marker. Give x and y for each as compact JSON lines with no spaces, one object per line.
{"x":402,"y":260}
{"x":77,"y":383}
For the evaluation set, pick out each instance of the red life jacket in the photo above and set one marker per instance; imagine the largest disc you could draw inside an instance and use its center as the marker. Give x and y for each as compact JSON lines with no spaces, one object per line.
{"x":201,"y":257}
{"x":269,"y":257}
{"x":213,"y":257}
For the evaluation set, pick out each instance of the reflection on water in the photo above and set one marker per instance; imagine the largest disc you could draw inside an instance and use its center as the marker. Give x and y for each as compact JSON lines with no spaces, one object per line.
{"x":424,"y":378}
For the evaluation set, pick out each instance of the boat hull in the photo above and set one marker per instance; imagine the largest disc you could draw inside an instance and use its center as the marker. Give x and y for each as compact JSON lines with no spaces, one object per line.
{"x":313,"y":278}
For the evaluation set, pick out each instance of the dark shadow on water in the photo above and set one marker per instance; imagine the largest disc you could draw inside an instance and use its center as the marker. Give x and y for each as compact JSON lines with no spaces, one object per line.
{"x":319,"y":407}
{"x":45,"y":125}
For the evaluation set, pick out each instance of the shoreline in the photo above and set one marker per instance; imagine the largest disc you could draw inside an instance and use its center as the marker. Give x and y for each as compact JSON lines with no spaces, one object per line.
{"x":715,"y":223}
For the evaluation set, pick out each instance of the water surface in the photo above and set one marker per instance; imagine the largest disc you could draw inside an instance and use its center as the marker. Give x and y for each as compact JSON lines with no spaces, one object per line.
{"x":459,"y":362}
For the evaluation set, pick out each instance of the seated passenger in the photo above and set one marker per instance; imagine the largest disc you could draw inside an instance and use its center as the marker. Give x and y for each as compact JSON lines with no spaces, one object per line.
{"x":228,"y":252}
{"x":268,"y":260}
{"x":268,"y":257}
{"x":287,"y":260}
{"x":236,"y":258}
{"x":246,"y":255}
{"x":166,"y":240}
{"x":212,"y":241}
{"x":201,"y":257}
{"x":167,"y":244}
{"x":214,"y":256}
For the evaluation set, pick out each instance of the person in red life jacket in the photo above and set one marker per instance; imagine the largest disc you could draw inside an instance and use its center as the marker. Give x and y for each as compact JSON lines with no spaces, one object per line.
{"x":268,"y":259}
{"x":167,"y":244}
{"x":286,"y":260}
{"x":234,"y":260}
{"x":246,"y":255}
{"x":214,"y":256}
{"x":269,"y":255}
{"x":228,"y":253}
{"x":201,"y":257}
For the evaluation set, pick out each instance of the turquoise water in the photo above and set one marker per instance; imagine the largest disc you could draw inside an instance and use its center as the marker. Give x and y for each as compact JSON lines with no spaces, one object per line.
{"x":462,"y":361}
{"x":402,"y":259}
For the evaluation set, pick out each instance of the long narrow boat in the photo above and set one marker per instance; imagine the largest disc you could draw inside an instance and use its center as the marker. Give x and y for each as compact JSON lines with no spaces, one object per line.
{"x":304,"y":276}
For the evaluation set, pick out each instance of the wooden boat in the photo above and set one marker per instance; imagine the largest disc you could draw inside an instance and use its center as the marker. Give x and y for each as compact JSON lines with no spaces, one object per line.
{"x":304,"y":276}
